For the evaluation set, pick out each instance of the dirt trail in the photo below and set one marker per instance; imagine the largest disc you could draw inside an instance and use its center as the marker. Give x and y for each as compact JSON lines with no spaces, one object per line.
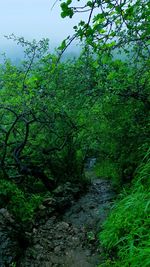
{"x":71,"y":241}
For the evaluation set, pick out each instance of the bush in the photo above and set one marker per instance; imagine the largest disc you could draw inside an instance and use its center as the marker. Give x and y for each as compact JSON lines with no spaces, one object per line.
{"x":12,"y":198}
{"x":108,"y":170}
{"x":126,"y":231}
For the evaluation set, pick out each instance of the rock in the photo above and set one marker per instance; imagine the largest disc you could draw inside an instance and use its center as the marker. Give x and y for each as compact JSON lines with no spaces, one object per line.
{"x":6,"y":215}
{"x":88,"y":253}
{"x":61,"y":238}
{"x":9,"y":245}
{"x":38,"y":247}
{"x":57,"y":249}
{"x":42,"y":207}
{"x":48,"y":201}
{"x":64,"y":225}
{"x":34,"y":230}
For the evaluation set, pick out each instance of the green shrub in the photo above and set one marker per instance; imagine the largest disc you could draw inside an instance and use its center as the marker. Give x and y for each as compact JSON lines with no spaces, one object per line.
{"x":12,"y":198}
{"x":126,"y":231}
{"x":109,"y":170}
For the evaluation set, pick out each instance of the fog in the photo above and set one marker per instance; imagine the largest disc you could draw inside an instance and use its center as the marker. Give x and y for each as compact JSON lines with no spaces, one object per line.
{"x":33,"y":19}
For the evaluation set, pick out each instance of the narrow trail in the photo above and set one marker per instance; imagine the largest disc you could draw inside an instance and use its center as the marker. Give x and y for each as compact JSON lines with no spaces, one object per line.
{"x":70,"y":240}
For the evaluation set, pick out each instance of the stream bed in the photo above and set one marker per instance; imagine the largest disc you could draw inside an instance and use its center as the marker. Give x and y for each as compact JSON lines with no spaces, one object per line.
{"x":70,"y":240}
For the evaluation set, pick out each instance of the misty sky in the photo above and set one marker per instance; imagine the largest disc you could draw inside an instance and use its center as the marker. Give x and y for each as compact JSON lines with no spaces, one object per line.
{"x":33,"y":19}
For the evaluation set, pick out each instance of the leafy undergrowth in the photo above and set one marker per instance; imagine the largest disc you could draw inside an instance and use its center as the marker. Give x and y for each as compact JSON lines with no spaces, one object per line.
{"x":125,"y":235}
{"x":17,"y":203}
{"x":109,"y":170}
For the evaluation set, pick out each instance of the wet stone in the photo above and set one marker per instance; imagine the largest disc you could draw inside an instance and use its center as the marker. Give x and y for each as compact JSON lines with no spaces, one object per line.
{"x":64,"y":241}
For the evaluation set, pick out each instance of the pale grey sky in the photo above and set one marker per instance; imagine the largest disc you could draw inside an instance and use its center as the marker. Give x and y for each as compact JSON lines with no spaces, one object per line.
{"x":34,"y":19}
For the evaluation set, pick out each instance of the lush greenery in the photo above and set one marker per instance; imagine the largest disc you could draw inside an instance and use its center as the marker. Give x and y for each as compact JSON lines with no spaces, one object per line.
{"x":126,"y":232}
{"x":21,"y":206}
{"x":123,"y":124}
{"x":54,"y":115}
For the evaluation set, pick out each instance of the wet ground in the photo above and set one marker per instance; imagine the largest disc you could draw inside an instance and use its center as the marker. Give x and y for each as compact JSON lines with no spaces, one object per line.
{"x":71,"y":240}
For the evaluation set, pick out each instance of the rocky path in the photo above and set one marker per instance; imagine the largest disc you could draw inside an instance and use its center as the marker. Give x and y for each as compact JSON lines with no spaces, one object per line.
{"x":71,"y":241}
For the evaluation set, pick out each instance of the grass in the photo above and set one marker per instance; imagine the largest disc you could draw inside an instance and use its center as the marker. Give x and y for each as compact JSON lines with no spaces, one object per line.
{"x":126,"y":232}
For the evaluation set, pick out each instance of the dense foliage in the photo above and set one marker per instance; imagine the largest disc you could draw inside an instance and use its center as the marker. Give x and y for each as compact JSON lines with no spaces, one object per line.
{"x":126,"y":232}
{"x":54,"y":115}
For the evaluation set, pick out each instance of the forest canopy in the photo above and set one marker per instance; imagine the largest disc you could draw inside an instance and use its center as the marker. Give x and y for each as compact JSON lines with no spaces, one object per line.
{"x":55,"y":114}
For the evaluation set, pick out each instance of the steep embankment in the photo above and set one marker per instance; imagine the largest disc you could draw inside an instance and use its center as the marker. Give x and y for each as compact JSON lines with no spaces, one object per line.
{"x":70,"y":240}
